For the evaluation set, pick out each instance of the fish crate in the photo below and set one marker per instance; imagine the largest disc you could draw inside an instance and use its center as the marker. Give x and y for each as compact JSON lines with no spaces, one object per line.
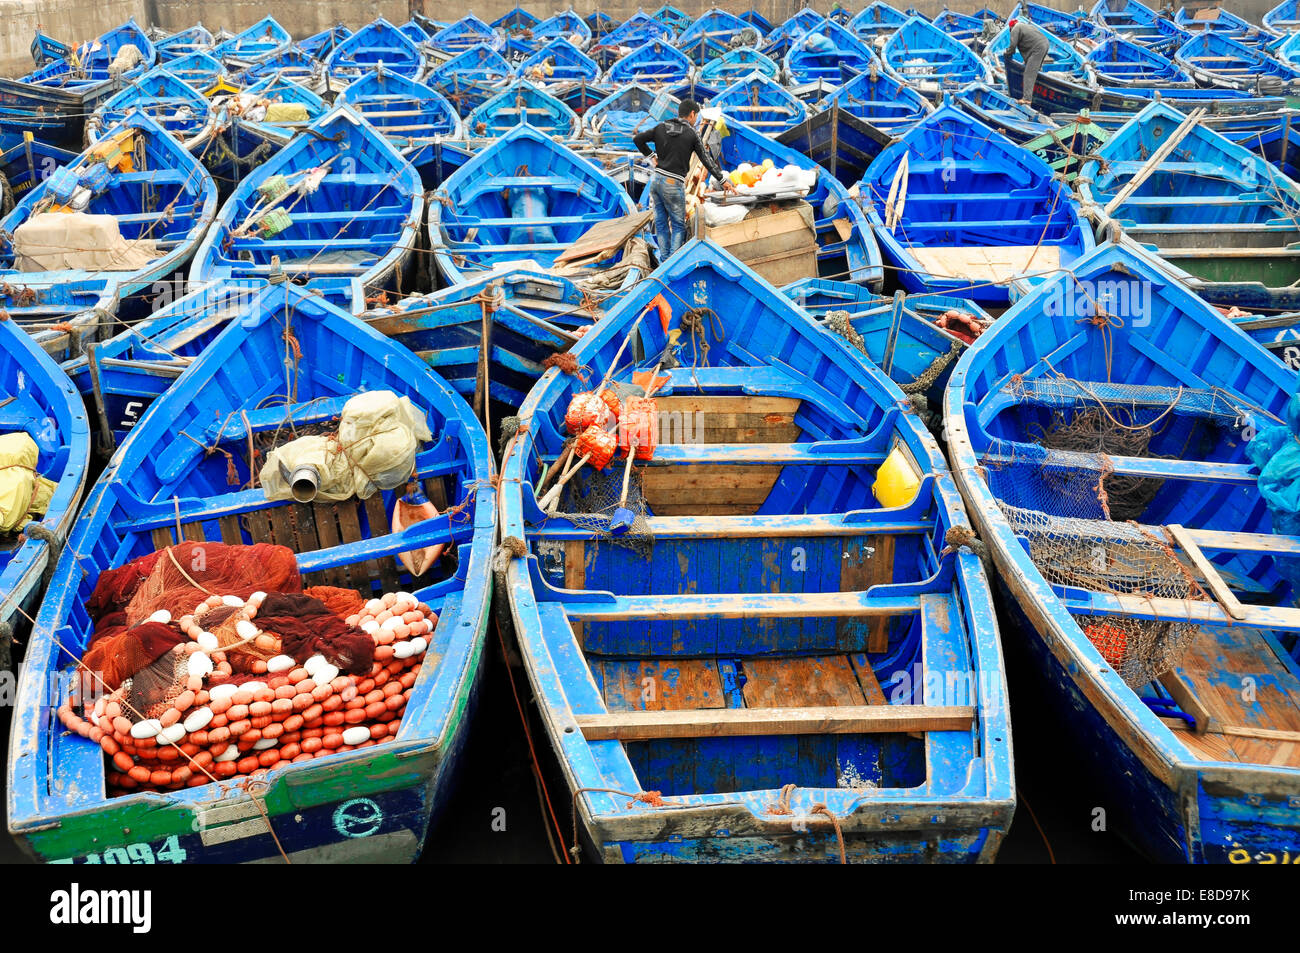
{"x":778,"y":242}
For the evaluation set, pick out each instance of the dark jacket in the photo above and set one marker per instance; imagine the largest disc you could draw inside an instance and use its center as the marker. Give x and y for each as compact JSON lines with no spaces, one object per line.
{"x":674,"y":140}
{"x":1028,"y":39}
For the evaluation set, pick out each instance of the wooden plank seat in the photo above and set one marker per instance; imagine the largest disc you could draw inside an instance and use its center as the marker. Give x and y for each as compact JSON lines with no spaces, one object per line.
{"x":1236,"y":474}
{"x":867,"y":719}
{"x":347,"y":543}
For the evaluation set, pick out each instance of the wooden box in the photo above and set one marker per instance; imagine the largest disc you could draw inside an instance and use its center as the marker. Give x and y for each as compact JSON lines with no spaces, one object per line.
{"x":781,"y":246}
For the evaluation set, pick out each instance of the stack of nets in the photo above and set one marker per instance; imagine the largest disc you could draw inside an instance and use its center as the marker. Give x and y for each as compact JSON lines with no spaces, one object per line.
{"x":1083,"y":522}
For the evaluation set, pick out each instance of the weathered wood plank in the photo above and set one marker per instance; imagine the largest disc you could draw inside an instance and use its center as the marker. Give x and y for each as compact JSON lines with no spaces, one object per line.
{"x":662,"y":685}
{"x":801,"y":683}
{"x":746,"y":722}
{"x":575,"y":574}
{"x":881,"y":570}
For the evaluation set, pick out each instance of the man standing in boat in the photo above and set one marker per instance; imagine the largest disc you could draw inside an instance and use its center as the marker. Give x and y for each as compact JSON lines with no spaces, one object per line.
{"x":1031,"y":42}
{"x":674,"y":142}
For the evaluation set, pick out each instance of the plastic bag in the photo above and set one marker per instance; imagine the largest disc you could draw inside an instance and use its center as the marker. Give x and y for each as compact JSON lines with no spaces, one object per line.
{"x":378,"y":437}
{"x":18,"y":456}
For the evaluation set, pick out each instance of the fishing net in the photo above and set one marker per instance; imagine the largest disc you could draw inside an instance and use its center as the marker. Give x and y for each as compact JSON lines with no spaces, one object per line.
{"x":591,"y":498}
{"x":1078,"y":517}
{"x":186,"y":574}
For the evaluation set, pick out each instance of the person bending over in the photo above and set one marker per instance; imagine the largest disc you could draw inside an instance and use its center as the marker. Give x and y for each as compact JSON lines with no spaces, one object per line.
{"x":1031,"y":42}
{"x":674,"y":141}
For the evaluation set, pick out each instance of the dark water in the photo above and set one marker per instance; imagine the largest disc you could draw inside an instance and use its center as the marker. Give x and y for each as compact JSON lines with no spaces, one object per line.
{"x":497,"y":789}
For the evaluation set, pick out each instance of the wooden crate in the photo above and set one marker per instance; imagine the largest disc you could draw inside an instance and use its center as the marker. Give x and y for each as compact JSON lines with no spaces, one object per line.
{"x":782,"y":246}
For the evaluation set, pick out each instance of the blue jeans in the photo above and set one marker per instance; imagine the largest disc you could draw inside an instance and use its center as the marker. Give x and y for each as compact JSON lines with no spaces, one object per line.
{"x":670,"y":214}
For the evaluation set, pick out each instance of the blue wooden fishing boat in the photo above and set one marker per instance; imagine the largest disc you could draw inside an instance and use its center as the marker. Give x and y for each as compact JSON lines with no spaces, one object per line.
{"x":375,"y":43}
{"x":322,"y":44}
{"x":24,"y":165}
{"x":524,"y":197}
{"x":17,"y":125}
{"x":656,"y":61}
{"x":779,"y":40}
{"x":1117,"y":62}
{"x":376,"y":803}
{"x":292,"y":64}
{"x":762,"y":103}
{"x":962,"y":27}
{"x":198,"y":69}
{"x":1283,"y":18}
{"x":559,"y":61}
{"x":826,"y":53}
{"x":46,"y":49}
{"x":900,"y":335}
{"x":1213,"y":208}
{"x":1138,"y":561}
{"x":737,"y":64}
{"x":701,"y":93}
{"x":84,"y":244}
{"x":176,"y":106}
{"x":931,"y":61}
{"x":1219,"y":20}
{"x":881,"y":100}
{"x":471,"y":77}
{"x":567,"y":24}
{"x":601,"y":23}
{"x":1288,"y":51}
{"x":960,"y":209}
{"x":530,"y":316}
{"x":638,"y":30}
{"x":89,"y":67}
{"x":522,"y":102}
{"x":414,"y":32}
{"x":1056,"y":22}
{"x":467,"y":32}
{"x":838,"y":141}
{"x":611,"y":123}
{"x":515,"y":21}
{"x":413,"y":116}
{"x":1278,"y":142}
{"x":688,"y":604}
{"x":38,"y":400}
{"x":846,"y":246}
{"x":677,"y":19}
{"x":258,"y":42}
{"x":259,"y":121}
{"x":757,"y":21}
{"x":1066,"y":147}
{"x":1215,"y":59}
{"x":580,"y":95}
{"x":196,"y":39}
{"x":1129,"y":18}
{"x":337,"y":203}
{"x":122,"y":376}
{"x":997,"y":110}
{"x":712,"y":34}
{"x":877,"y":19}
{"x":54,"y":100}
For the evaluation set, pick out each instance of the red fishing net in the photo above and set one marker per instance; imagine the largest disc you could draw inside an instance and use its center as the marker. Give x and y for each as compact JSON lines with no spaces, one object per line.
{"x":599,"y":443}
{"x":185,"y":574}
{"x":307,"y":627}
{"x":638,"y":426}
{"x":117,"y":652}
{"x":586,"y":410}
{"x":341,"y":602}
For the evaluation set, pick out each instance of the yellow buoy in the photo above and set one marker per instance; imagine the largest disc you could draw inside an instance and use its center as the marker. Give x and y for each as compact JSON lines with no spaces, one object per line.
{"x":897,"y":481}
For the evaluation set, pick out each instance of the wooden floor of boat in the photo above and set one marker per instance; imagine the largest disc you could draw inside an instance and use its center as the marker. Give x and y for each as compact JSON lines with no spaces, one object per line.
{"x":672,"y":684}
{"x":1217,"y":668}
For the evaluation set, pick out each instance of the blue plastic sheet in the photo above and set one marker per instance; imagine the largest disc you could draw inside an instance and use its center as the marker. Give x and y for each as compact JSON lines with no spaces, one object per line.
{"x":1275,"y":449}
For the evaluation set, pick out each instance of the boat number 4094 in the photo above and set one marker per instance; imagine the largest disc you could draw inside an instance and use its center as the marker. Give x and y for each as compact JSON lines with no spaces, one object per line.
{"x":169,"y":852}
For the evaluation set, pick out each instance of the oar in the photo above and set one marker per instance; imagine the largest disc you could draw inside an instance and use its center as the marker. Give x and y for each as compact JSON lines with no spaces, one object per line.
{"x":552,"y":495}
{"x":554,"y":491}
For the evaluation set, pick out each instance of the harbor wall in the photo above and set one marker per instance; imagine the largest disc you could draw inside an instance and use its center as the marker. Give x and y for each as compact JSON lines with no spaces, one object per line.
{"x":77,"y":20}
